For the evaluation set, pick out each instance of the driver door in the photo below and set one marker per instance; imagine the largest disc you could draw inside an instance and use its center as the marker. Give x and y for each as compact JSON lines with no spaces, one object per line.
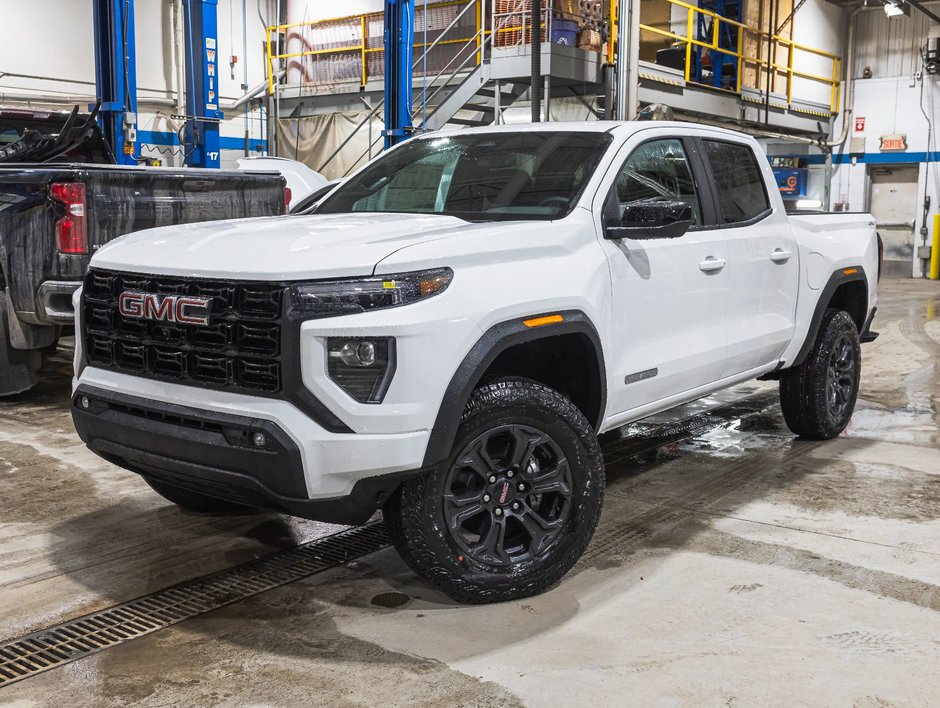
{"x":669,"y":295}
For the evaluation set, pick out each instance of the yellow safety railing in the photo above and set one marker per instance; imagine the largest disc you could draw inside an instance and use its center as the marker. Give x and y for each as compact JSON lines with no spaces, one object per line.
{"x":276,"y":42}
{"x":273,"y":40}
{"x":776,"y":43}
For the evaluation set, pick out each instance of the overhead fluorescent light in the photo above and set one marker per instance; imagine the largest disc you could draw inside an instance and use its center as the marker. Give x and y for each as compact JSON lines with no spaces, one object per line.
{"x":808,"y":204}
{"x":894,"y":9}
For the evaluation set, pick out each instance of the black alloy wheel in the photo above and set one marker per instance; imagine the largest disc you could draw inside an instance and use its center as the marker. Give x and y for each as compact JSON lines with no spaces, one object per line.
{"x":818,"y":396}
{"x":507,"y":495}
{"x":840,"y":384}
{"x":515,"y":504}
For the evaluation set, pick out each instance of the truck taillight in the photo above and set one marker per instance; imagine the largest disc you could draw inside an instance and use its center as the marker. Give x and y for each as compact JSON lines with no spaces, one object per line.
{"x":71,"y":230}
{"x":288,"y":195}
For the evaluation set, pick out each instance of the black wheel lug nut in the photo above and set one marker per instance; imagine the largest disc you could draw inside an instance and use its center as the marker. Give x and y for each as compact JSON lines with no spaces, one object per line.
{"x":492,"y":479}
{"x":521,"y":487}
{"x":486,"y":497}
{"x":515,"y":506}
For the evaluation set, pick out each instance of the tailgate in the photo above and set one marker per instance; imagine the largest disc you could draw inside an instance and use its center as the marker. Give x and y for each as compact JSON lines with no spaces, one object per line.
{"x":121,"y":202}
{"x":118,"y":200}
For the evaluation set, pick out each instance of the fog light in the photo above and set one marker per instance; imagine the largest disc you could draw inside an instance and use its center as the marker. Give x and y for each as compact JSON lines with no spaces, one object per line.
{"x":360,"y":354}
{"x":84,"y":402}
{"x":259,"y":439}
{"x":362,"y":366}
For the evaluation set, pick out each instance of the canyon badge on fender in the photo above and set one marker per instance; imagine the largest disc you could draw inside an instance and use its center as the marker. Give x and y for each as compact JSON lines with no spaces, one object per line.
{"x":179,"y":309}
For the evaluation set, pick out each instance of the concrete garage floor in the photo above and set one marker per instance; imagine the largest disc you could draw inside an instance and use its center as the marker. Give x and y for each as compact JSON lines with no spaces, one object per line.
{"x":734,"y":565}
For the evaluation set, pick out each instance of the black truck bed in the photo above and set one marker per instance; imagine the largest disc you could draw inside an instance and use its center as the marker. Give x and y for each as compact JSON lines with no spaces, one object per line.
{"x":37,"y":278}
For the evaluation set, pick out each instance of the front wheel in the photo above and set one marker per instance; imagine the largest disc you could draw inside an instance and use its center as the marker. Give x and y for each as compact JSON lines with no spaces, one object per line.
{"x":514,"y":506}
{"x":818,"y":396}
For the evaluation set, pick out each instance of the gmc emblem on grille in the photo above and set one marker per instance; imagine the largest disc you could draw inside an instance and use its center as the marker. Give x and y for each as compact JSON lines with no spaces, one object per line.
{"x":164,"y":308}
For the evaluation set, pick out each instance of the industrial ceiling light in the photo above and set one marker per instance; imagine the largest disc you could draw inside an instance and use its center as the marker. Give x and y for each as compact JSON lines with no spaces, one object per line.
{"x":894,"y":9}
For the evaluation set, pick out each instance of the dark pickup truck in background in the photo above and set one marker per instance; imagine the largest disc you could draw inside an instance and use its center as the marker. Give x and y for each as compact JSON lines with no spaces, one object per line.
{"x":54,"y":216}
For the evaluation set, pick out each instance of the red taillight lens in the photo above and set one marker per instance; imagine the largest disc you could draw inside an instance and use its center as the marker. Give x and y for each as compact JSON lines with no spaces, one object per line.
{"x":288,"y":195}
{"x":71,"y":229}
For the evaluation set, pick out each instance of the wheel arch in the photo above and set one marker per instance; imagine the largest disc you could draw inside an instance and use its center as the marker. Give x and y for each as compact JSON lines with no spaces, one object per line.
{"x":846,"y":289}
{"x":500,"y":351}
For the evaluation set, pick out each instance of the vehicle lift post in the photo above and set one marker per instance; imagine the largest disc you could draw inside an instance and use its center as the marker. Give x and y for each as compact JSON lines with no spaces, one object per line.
{"x":201,"y":135}
{"x":116,"y":76}
{"x":399,"y":43}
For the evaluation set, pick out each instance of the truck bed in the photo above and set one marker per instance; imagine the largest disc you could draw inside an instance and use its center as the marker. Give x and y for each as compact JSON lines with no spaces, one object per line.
{"x":119,"y":200}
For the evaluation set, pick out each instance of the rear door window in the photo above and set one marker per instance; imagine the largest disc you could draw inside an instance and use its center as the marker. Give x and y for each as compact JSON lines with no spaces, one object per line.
{"x":739,"y":182}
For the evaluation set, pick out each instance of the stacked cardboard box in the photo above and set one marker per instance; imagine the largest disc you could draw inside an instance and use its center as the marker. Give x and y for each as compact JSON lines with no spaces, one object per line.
{"x":592,"y":25}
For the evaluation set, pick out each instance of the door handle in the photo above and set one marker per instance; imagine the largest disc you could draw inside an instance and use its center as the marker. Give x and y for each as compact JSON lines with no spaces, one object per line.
{"x":711,"y":264}
{"x":780,"y":256}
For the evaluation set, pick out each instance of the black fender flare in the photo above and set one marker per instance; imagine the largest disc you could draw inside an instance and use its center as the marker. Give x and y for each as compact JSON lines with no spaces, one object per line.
{"x":848,"y":274}
{"x":494,"y":341}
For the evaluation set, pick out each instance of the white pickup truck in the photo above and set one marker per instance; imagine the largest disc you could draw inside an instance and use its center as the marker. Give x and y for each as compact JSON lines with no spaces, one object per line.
{"x":448,"y":333}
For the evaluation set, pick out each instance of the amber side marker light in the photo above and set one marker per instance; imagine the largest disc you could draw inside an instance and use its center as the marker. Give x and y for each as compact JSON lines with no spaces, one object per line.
{"x":542,"y":321}
{"x":849,"y":271}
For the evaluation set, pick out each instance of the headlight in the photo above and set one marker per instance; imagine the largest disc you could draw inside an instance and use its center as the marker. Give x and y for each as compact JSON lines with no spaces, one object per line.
{"x":331,"y":298}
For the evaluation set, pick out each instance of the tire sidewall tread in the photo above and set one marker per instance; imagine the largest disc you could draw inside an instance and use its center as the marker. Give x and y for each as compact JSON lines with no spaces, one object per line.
{"x":803,"y":387}
{"x":415,"y":519}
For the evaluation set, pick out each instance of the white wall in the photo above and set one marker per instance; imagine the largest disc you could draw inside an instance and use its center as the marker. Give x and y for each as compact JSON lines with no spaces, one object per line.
{"x":817,"y":24}
{"x":898,"y":98}
{"x":55,"y":38}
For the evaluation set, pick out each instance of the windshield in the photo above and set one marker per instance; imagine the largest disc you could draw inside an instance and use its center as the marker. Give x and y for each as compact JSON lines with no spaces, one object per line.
{"x":477,"y":177}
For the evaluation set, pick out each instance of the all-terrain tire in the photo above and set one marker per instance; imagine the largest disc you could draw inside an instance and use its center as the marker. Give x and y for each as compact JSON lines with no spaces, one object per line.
{"x":818,"y":396}
{"x":557,"y":443}
{"x":193,"y":501}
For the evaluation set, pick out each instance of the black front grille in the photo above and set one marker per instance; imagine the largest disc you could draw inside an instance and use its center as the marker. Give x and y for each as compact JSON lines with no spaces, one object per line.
{"x":239,"y":349}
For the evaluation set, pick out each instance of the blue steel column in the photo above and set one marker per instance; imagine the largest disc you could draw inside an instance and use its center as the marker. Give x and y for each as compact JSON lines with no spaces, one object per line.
{"x":116,"y":76}
{"x":399,"y":41}
{"x":202,"y":83}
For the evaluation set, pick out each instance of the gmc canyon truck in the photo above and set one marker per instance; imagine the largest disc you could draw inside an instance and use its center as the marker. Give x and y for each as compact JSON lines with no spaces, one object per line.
{"x":54,"y":216}
{"x":448,"y":333}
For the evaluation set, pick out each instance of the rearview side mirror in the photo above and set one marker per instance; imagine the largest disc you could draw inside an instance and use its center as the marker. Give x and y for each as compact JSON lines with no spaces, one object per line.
{"x":652,"y":219}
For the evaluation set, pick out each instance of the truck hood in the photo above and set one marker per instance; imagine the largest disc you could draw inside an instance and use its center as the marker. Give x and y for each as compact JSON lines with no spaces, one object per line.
{"x":275,"y":248}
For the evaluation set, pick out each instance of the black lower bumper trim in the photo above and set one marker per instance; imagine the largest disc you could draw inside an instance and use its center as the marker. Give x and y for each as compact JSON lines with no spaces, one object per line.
{"x":217,"y":455}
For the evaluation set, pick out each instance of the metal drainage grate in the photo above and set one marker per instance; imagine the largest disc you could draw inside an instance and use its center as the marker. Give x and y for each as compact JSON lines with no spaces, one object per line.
{"x":53,"y":647}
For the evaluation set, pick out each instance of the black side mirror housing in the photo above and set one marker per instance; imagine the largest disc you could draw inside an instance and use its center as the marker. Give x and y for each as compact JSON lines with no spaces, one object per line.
{"x":652,"y":219}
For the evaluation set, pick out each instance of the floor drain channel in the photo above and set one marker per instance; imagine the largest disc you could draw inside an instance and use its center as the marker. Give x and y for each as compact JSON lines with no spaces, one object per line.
{"x":52,"y":647}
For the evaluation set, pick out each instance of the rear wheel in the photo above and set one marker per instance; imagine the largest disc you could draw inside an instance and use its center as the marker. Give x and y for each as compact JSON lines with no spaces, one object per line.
{"x":193,"y":501}
{"x":515,"y":505}
{"x":818,"y":396}
{"x":19,"y":368}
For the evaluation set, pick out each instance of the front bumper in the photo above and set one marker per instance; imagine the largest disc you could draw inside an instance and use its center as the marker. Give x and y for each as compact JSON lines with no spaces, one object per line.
{"x":331,"y":463}
{"x":217,"y":454}
{"x":377,"y":442}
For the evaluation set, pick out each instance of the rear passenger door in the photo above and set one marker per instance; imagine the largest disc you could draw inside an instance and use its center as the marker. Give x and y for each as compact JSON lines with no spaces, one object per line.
{"x":763,"y":259}
{"x":669,"y":294}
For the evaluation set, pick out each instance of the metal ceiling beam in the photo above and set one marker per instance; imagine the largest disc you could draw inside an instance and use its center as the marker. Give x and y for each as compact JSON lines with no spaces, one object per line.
{"x":918,"y":5}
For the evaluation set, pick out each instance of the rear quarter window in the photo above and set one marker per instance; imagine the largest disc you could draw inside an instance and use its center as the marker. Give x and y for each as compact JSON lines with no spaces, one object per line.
{"x":739,"y":182}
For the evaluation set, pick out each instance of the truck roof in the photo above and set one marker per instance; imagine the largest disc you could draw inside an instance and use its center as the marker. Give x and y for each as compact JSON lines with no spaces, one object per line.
{"x":95,"y":167}
{"x":594,"y":126}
